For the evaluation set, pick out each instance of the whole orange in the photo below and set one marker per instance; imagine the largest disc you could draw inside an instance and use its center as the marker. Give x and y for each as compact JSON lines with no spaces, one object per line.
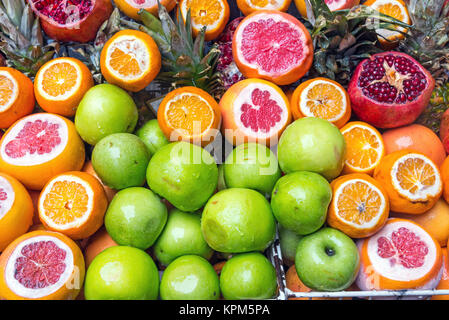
{"x":415,"y":137}
{"x":100,"y":241}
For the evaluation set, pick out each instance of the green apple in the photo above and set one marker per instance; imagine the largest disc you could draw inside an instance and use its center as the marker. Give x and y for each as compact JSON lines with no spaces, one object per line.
{"x":121,"y":160}
{"x":190,"y":277}
{"x":252,"y":166}
{"x":248,"y":276}
{"x":300,"y":201}
{"x":289,"y":242}
{"x":327,"y":260}
{"x":238,"y":220}
{"x":105,"y":109}
{"x":181,"y":235}
{"x":152,"y":135}
{"x":312,"y":144}
{"x":122,"y":273}
{"x":135,"y":217}
{"x":184,"y":174}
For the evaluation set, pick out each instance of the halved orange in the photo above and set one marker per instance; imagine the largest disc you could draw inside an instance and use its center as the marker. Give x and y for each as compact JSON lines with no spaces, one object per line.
{"x":412,"y":181}
{"x":393,"y":8}
{"x":132,"y":7}
{"x":359,"y":206}
{"x":60,"y":84}
{"x":189,"y":114}
{"x":402,"y":255}
{"x":364,"y":147}
{"x":16,"y":210}
{"x":321,"y":98}
{"x":16,"y":96}
{"x":41,"y":265}
{"x":249,"y":6}
{"x":73,"y":203}
{"x":130,"y":59}
{"x":214,"y":14}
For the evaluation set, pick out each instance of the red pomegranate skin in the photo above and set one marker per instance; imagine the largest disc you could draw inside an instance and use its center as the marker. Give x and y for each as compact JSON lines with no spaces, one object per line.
{"x":387,"y":114}
{"x":85,"y":31}
{"x":444,"y":130}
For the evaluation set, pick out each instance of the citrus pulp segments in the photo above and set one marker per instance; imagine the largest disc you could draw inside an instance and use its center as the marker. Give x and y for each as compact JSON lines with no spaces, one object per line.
{"x":32,"y":293}
{"x":20,"y":158}
{"x":218,"y":4}
{"x":49,"y":70}
{"x":244,"y":97}
{"x":380,"y":150}
{"x":51,"y":188}
{"x":53,"y":125}
{"x":373,"y":190}
{"x":387,"y":262}
{"x":7,"y":82}
{"x":179,"y":97}
{"x":305,"y":98}
{"x":424,"y":192}
{"x":136,"y":49}
{"x":260,"y":52}
{"x":7,"y":196}
{"x":401,"y":15}
{"x":268,"y":4}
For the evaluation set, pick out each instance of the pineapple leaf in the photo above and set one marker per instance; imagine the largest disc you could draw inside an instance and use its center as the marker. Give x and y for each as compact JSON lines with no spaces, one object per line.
{"x":150,"y":21}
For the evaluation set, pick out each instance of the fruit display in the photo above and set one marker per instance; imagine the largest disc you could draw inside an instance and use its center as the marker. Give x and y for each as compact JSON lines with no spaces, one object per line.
{"x":224,"y":150}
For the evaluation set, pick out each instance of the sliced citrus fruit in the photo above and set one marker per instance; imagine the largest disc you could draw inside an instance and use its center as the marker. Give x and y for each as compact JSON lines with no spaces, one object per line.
{"x":333,"y":5}
{"x":130,"y":59}
{"x":364,"y":147}
{"x":444,"y":282}
{"x":435,"y":221}
{"x":189,"y":114}
{"x":16,"y":96}
{"x":321,"y":98}
{"x":39,"y":146}
{"x":359,"y":206}
{"x":60,"y":84}
{"x":254,"y":110}
{"x":131,"y":7}
{"x":412,"y":181}
{"x":393,"y":8}
{"x":41,"y":265}
{"x":249,"y":6}
{"x":214,"y":14}
{"x":16,"y":210}
{"x":400,"y":256}
{"x":73,"y":203}
{"x":272,"y":45}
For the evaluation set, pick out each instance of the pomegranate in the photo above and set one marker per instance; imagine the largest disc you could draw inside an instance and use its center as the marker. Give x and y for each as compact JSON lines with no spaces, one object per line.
{"x":390,"y":89}
{"x":226,"y":65}
{"x":71,"y":20}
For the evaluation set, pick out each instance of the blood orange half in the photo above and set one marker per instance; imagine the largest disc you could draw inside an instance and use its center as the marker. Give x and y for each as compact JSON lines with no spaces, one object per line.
{"x":272,"y":45}
{"x":400,"y":256}
{"x":254,"y":110}
{"x":41,"y":265}
{"x":40,"y":146}
{"x":16,"y":210}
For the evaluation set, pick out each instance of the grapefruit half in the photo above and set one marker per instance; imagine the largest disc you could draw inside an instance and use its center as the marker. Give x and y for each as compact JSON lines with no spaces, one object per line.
{"x":272,"y":45}
{"x":40,"y":146}
{"x":254,"y":110}
{"x":400,"y":256}
{"x":41,"y":265}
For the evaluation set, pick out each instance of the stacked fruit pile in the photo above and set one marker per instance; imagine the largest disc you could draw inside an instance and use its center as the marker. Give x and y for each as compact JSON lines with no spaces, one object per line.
{"x":301,"y":123}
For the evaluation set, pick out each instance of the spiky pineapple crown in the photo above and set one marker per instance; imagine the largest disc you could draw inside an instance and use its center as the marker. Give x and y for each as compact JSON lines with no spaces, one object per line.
{"x":343,"y":38}
{"x":21,"y":39}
